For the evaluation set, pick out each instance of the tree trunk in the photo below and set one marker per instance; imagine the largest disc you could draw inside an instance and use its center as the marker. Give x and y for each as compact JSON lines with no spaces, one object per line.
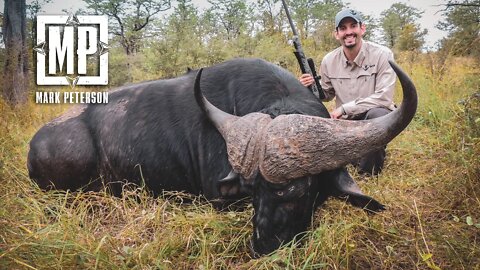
{"x":15,"y":82}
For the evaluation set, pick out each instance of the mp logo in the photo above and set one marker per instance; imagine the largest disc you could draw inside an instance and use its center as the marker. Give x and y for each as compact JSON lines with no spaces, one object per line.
{"x":72,"y":50}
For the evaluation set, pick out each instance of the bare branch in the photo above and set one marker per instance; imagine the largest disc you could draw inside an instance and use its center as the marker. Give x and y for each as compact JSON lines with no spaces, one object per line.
{"x":462,"y":5}
{"x":452,"y":4}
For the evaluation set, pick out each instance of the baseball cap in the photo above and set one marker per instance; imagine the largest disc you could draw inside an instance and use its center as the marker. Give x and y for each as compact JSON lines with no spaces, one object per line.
{"x":345,"y":13}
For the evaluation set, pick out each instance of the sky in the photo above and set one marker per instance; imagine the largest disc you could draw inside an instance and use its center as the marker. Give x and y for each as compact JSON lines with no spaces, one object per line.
{"x":429,"y":19}
{"x":373,"y":8}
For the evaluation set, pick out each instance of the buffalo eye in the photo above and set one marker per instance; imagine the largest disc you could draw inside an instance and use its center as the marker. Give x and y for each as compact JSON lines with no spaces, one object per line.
{"x":279,"y":193}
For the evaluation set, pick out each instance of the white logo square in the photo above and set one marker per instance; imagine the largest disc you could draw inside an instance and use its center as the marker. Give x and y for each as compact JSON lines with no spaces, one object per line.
{"x":77,"y":30}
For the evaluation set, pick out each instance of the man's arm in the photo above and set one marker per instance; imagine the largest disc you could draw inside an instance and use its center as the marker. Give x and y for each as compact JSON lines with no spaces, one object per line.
{"x":326,"y":83}
{"x":307,"y":80}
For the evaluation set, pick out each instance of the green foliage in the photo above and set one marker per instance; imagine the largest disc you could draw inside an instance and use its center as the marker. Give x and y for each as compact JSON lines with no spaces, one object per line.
{"x":372,"y":27}
{"x":430,"y":185}
{"x":302,"y":15}
{"x":274,"y":48}
{"x":410,"y":38}
{"x":463,"y":25}
{"x":178,"y":43}
{"x":231,"y":16}
{"x":398,"y":24}
{"x":128,"y":18}
{"x":472,"y":115}
{"x":189,"y":37}
{"x":34,"y":7}
{"x":269,"y":17}
{"x":310,"y":15}
{"x":324,"y":14}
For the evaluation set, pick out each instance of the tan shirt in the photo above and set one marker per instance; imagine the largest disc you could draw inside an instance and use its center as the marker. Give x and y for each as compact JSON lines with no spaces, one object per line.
{"x":365,"y":83}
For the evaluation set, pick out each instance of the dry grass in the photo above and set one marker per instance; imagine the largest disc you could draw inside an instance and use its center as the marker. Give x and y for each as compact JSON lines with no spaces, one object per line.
{"x":430,"y":185}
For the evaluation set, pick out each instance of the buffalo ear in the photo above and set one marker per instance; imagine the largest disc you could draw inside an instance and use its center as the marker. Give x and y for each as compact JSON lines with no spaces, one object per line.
{"x":346,"y":187}
{"x":229,"y":186}
{"x":365,"y":202}
{"x":232,"y":186}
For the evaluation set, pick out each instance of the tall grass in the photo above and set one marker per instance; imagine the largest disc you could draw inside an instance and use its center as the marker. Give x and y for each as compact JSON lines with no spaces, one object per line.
{"x":430,"y":186}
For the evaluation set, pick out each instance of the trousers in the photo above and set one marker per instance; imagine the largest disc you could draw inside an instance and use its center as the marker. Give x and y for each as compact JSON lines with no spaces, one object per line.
{"x":372,"y":163}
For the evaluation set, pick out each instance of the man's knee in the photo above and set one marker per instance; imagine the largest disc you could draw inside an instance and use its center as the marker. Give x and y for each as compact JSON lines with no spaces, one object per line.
{"x":376,"y":112}
{"x":372,"y":163}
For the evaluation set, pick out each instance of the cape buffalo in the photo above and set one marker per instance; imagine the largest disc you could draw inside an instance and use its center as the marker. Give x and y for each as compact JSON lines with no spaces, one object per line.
{"x":154,"y":133}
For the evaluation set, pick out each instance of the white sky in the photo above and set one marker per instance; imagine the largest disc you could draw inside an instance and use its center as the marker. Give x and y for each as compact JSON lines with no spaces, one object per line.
{"x":428,"y":20}
{"x":369,"y":7}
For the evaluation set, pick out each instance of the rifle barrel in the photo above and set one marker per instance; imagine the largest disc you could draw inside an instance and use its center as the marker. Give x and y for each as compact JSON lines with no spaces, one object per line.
{"x":294,"y":30}
{"x":305,"y":66}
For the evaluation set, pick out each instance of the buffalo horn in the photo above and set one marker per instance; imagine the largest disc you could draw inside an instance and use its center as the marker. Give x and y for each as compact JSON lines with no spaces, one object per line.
{"x":293,"y":146}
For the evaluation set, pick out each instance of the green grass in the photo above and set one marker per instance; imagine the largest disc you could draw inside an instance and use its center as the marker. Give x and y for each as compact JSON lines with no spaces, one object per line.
{"x":430,"y":186}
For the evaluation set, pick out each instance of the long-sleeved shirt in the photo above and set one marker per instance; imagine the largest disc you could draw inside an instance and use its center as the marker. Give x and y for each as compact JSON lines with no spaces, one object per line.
{"x":365,"y":83}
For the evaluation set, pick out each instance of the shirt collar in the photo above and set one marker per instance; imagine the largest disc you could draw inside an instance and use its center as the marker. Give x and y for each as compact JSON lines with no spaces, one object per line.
{"x":344,"y":59}
{"x":358,"y":60}
{"x":361,"y":55}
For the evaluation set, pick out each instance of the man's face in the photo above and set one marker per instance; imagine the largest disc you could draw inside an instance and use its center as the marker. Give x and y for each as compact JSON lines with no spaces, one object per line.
{"x":349,"y":32}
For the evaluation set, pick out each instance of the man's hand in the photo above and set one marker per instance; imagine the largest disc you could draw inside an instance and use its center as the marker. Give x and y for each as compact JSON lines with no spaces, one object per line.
{"x":306,"y":80}
{"x":337,"y":113}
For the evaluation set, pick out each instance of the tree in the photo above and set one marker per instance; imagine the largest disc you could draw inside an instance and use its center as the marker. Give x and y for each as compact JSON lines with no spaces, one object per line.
{"x":179,"y":44}
{"x":462,"y":22}
{"x":129,"y":18}
{"x":33,"y":8}
{"x":373,"y":28}
{"x":310,"y":15}
{"x":324,"y":26}
{"x":464,"y":3}
{"x":396,"y":19}
{"x":232,"y":15}
{"x":302,"y":14}
{"x":269,"y":14}
{"x":411,"y":38}
{"x":15,"y":83}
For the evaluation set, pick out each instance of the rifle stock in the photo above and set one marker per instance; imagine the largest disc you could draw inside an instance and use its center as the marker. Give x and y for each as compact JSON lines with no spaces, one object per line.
{"x":316,"y":77}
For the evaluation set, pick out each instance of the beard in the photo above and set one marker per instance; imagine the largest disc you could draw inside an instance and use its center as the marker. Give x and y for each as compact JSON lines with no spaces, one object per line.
{"x":351,"y":45}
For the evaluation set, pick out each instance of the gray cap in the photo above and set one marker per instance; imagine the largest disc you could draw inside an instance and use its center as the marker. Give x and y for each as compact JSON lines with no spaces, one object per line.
{"x":346,"y":13}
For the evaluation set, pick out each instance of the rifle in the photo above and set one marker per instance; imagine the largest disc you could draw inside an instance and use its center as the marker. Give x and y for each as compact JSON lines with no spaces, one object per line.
{"x":306,"y":65}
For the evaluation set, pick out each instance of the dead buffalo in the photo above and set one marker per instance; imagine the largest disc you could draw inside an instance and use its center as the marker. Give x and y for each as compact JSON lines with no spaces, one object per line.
{"x":279,"y":149}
